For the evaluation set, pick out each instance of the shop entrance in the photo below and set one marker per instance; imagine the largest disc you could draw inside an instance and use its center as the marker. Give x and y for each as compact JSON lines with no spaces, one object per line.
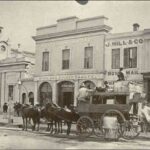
{"x":65,"y":94}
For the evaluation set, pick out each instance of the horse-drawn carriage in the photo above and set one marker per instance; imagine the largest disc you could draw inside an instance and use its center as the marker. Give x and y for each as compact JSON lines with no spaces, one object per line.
{"x":107,"y":112}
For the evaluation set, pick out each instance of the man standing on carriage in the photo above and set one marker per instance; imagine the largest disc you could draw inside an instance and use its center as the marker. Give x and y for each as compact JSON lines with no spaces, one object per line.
{"x":84,"y":93}
{"x":121,"y":75}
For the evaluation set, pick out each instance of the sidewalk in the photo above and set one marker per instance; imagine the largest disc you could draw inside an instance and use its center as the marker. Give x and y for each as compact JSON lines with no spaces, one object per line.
{"x":16,"y":121}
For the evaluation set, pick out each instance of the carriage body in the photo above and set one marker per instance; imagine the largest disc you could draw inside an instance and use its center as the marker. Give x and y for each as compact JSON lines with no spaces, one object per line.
{"x":101,"y":104}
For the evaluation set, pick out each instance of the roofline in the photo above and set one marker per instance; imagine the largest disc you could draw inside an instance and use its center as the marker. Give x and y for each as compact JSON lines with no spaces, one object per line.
{"x":3,"y":64}
{"x":44,"y":27}
{"x":72,"y":32}
{"x":124,"y":34}
{"x":97,"y":17}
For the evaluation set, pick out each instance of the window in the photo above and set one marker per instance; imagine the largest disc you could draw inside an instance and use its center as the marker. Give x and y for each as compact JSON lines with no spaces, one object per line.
{"x":130,"y":57}
{"x":45,"y":61}
{"x":10,"y":92}
{"x":115,"y":58}
{"x":88,"y":59}
{"x":65,"y":58}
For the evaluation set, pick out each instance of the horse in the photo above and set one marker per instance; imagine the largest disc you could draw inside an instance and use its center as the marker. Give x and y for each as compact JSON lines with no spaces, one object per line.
{"x":17,"y":108}
{"x":68,"y":116}
{"x":28,"y":112}
{"x":47,"y":112}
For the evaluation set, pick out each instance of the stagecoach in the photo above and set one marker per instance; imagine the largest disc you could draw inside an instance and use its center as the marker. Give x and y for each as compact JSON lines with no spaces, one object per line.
{"x":107,"y":112}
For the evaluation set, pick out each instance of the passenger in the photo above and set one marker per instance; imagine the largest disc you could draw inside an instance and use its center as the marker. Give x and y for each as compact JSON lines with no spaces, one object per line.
{"x":106,"y":86}
{"x":84,"y":93}
{"x":67,"y":109}
{"x":121,"y":76}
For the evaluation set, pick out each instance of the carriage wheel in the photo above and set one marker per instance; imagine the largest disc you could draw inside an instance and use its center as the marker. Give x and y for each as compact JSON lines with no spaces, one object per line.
{"x":130,"y":130}
{"x":120,"y":118}
{"x":98,"y":130}
{"x":85,"y":126}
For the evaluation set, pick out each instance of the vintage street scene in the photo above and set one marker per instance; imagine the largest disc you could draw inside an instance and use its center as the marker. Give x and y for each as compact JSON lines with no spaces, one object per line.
{"x":74,"y":74}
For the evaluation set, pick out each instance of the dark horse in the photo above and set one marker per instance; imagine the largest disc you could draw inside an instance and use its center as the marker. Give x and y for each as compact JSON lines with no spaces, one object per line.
{"x":30,"y":112}
{"x":48,"y":113}
{"x":62,"y":114}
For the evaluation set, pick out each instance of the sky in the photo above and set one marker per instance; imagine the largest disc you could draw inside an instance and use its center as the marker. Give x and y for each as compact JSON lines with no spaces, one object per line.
{"x":21,"y":18}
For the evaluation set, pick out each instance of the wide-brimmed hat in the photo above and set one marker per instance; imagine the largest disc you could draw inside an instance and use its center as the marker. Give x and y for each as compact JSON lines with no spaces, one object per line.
{"x":82,"y":85}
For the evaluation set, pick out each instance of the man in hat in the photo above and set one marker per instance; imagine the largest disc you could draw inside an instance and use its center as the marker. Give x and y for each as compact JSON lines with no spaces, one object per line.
{"x":83,"y":95}
{"x":121,"y":76}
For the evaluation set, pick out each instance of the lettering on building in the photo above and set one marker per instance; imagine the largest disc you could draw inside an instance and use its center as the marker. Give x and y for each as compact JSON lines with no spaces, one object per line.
{"x":124,"y":42}
{"x":128,"y":72}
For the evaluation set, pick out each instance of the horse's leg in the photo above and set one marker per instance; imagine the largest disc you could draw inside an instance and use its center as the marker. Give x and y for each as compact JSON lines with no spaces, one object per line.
{"x":23,"y":127}
{"x":34,"y":123}
{"x":56,"y":123}
{"x":38,"y":124}
{"x":26,"y":123}
{"x":61,"y":126}
{"x":52,"y":129}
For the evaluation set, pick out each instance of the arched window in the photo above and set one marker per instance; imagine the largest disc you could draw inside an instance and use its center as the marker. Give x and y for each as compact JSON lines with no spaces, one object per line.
{"x":31,"y":98}
{"x":23,"y":98}
{"x":45,"y":93}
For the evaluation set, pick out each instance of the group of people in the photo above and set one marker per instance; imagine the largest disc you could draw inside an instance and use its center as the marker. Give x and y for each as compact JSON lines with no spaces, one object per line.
{"x":85,"y":91}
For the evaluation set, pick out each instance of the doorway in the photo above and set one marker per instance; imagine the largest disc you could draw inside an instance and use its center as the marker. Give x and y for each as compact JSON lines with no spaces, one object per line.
{"x":31,"y":98}
{"x":65,"y":94}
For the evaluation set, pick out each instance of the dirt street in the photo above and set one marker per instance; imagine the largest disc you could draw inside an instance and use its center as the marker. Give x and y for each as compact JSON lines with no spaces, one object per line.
{"x":18,"y":139}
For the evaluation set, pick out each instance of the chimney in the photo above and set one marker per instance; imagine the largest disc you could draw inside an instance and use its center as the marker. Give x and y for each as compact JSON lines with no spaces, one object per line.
{"x":136,"y":27}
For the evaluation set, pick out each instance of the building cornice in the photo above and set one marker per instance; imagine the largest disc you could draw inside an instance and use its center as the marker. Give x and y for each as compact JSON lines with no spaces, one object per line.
{"x":72,"y":32}
{"x":124,"y":35}
{"x":4,"y":64}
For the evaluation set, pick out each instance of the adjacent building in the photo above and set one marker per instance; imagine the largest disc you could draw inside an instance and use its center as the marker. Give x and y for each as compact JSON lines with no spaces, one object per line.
{"x":16,"y":74}
{"x":76,"y":50}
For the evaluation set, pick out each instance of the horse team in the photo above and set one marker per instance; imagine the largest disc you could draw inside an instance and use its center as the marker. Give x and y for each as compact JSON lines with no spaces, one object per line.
{"x":54,"y":115}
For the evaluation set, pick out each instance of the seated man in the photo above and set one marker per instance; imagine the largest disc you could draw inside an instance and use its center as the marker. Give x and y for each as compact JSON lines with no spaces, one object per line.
{"x":67,"y":109}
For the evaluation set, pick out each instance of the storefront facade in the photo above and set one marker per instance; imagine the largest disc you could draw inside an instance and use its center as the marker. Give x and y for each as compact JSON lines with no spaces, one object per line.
{"x":68,"y":54}
{"x":131,"y":52}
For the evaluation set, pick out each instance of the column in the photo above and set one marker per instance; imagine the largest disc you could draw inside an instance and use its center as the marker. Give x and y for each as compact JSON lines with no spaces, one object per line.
{"x":2,"y":89}
{"x":36,"y":92}
{"x":76,"y":89}
{"x":54,"y":92}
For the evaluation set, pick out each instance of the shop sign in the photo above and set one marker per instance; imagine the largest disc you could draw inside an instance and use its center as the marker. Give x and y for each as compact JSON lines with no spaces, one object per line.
{"x":124,"y":42}
{"x":128,"y":72}
{"x":69,"y":77}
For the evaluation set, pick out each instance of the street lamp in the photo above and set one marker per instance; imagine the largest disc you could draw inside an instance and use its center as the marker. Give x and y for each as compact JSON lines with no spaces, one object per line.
{"x":82,"y":2}
{"x":20,"y":84}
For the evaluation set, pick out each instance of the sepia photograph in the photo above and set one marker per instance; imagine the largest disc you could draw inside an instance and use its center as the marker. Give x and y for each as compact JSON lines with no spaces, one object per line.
{"x":74,"y":74}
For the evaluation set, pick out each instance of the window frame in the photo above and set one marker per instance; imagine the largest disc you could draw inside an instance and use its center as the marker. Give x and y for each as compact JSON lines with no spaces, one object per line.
{"x":65,"y":62}
{"x":45,"y":61}
{"x":115,"y":67}
{"x":129,"y":63}
{"x":87,"y":59}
